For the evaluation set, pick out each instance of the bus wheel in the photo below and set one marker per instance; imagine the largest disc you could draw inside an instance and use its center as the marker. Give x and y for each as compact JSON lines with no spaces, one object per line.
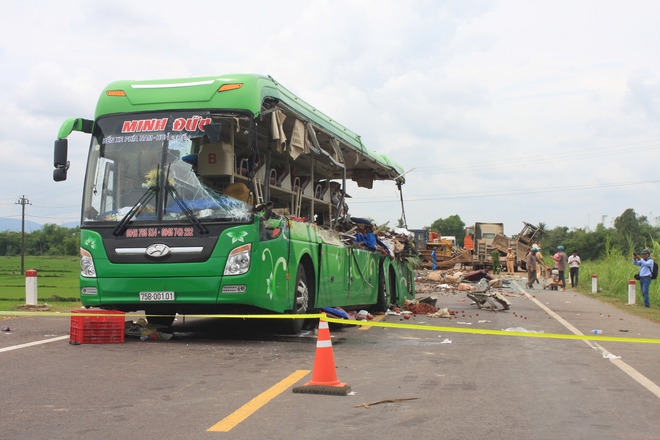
{"x":300,"y":303}
{"x":163,"y":320}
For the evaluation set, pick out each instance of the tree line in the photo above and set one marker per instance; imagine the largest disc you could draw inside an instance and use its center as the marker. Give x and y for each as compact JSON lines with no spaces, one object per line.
{"x":629,"y":232}
{"x":51,"y":239}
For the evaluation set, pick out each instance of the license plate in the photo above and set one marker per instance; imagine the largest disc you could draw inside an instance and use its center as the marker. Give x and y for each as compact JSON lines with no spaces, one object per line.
{"x":156,"y":296}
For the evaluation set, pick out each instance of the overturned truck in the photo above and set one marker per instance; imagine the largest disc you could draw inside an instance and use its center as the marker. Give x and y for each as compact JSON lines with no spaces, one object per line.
{"x":523,"y":241}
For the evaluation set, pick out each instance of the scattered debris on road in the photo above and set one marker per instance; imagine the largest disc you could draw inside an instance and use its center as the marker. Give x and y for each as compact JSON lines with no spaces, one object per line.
{"x":369,"y":405}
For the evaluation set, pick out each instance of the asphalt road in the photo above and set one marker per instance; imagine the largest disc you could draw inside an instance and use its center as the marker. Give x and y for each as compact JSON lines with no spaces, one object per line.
{"x":477,"y":386}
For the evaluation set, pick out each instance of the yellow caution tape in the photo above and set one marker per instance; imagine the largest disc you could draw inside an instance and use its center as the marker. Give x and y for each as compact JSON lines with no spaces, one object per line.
{"x":109,"y":313}
{"x":494,"y":332}
{"x":372,"y":324}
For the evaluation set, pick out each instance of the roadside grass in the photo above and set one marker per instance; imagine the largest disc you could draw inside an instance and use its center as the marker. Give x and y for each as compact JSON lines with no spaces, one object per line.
{"x":57,"y":282}
{"x":613,"y":274}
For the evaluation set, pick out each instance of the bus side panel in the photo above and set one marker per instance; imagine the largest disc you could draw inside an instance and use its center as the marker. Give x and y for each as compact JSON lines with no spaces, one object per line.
{"x":271,"y":275}
{"x":333,"y":269}
{"x":363,"y":276}
{"x":398,"y":280}
{"x":332,"y":290}
{"x":304,"y":240}
{"x":405,"y":282}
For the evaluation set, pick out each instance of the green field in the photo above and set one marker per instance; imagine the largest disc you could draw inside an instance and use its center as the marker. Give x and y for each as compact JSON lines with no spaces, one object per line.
{"x":614,"y":272}
{"x":57,"y":281}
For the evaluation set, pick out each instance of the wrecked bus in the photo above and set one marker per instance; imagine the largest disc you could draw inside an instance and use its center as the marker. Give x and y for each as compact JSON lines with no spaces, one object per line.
{"x":223,"y":194}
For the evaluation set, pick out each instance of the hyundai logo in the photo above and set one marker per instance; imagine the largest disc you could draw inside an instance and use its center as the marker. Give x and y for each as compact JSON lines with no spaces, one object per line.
{"x":158,"y":250}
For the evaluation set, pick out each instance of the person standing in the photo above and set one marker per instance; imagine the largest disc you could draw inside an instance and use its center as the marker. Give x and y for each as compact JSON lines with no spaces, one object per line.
{"x":510,"y":261}
{"x":541,"y":269}
{"x":574,"y":268}
{"x":496,"y":260}
{"x":645,"y":270}
{"x":531,"y":268}
{"x":434,"y":259}
{"x":560,"y":263}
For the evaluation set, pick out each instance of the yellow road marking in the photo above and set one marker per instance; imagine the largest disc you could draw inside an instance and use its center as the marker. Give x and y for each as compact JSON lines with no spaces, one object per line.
{"x":253,"y":405}
{"x":377,"y":318}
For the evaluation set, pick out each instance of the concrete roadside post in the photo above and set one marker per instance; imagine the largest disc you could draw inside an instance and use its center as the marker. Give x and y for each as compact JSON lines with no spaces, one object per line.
{"x":631,"y":292}
{"x":31,"y":287}
{"x":594,"y":283}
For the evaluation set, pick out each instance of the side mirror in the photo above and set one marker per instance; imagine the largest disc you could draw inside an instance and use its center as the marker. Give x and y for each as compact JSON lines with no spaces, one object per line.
{"x":59,"y":174}
{"x":61,"y":150}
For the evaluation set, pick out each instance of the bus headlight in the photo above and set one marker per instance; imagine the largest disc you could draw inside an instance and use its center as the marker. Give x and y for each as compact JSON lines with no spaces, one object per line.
{"x":87,"y":268}
{"x":238,"y":261}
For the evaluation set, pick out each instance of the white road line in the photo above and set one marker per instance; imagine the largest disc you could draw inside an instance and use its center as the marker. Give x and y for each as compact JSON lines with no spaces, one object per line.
{"x":31,"y":344}
{"x":630,"y":371}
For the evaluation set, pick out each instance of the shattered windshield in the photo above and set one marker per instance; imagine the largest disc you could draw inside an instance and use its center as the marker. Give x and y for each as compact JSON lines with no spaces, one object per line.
{"x":145,"y":167}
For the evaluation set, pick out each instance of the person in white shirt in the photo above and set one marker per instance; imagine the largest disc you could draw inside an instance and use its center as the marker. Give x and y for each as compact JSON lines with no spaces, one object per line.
{"x":574,"y":267}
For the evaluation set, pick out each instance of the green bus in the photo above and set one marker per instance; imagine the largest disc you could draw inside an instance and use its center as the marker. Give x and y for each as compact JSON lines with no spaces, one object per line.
{"x":226,"y":195}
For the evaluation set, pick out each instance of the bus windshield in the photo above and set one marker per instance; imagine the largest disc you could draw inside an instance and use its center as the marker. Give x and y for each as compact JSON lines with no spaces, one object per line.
{"x":142,"y":168}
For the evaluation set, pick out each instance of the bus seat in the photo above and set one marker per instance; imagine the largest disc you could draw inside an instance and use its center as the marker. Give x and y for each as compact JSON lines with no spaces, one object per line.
{"x":245,"y":164}
{"x":321,"y":191}
{"x":278,"y":176}
{"x":301,"y":183}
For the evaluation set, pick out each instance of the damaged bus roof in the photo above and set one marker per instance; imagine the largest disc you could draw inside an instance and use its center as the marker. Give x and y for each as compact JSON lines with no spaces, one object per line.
{"x":242,"y":92}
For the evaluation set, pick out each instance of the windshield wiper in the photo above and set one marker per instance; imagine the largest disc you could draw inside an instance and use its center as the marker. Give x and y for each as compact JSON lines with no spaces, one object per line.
{"x":186,"y":209}
{"x":144,"y":200}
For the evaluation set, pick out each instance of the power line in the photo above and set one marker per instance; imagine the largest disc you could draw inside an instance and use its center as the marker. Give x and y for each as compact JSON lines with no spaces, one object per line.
{"x":425,"y":198}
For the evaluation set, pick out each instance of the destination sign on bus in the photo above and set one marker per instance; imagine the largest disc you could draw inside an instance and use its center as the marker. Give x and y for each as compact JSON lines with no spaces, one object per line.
{"x":191,"y":124}
{"x":179,"y":126}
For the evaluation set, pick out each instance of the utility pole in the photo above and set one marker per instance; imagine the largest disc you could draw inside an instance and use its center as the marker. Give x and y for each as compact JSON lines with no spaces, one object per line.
{"x":23,"y":201}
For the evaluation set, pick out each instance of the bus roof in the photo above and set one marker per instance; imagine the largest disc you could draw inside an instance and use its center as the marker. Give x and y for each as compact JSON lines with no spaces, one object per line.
{"x":243,"y":92}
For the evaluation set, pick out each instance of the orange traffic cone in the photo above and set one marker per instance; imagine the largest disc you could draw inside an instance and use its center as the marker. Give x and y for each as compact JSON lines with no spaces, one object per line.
{"x":324,"y":374}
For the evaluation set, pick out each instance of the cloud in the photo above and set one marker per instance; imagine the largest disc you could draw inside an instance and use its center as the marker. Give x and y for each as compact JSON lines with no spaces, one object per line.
{"x":503,"y":97}
{"x":643,"y":95}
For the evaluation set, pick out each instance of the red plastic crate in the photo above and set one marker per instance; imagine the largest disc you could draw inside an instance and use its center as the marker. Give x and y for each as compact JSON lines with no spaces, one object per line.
{"x":106,"y":329}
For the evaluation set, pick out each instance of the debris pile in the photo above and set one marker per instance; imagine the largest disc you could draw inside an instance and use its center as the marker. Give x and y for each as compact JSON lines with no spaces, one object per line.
{"x":484,"y":289}
{"x":420,"y":308}
{"x":145,"y":331}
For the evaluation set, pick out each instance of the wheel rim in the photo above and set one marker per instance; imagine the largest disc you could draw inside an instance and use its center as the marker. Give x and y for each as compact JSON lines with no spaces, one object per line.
{"x":302,"y":296}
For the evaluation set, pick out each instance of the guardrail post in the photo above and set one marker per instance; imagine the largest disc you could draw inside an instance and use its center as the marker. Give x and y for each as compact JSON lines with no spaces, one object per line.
{"x":631,"y":292}
{"x":31,"y":287}
{"x":594,"y":283}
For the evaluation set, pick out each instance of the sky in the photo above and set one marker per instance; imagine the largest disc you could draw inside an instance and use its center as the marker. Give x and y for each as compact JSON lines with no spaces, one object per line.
{"x":499,"y":110}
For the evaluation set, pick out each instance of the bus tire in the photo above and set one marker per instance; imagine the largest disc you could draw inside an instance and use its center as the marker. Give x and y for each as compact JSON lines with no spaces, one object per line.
{"x":301,"y":298}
